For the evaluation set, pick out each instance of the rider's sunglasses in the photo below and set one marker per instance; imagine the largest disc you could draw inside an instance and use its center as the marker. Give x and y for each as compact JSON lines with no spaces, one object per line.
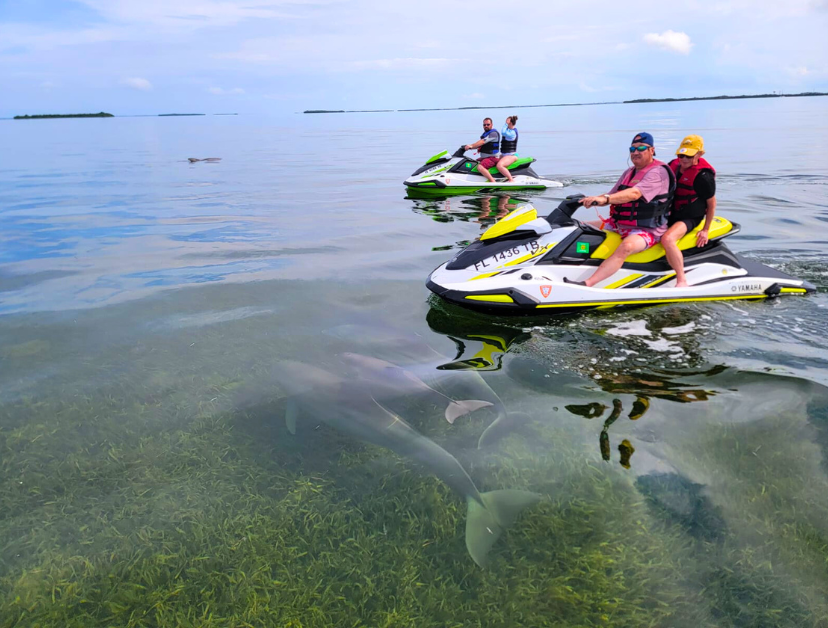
{"x":487,"y":124}
{"x":640,"y":149}
{"x":685,"y":156}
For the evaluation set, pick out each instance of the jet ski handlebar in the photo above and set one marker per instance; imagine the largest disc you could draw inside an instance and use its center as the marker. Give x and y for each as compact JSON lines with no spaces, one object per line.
{"x":562,"y":214}
{"x":460,"y":151}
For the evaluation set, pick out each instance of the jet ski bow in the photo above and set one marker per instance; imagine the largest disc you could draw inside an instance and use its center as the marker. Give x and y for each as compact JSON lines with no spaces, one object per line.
{"x":519,"y":264}
{"x":457,"y":174}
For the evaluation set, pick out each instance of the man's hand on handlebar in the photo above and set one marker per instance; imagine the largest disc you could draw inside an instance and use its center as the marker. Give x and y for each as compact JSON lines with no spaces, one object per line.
{"x":589,"y":201}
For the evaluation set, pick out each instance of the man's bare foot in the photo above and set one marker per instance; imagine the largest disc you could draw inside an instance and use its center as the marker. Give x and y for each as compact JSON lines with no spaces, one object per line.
{"x":681,"y":284}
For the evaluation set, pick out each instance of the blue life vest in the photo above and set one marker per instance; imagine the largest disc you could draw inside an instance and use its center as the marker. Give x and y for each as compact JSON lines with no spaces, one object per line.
{"x":507,"y":145}
{"x":490,"y":148}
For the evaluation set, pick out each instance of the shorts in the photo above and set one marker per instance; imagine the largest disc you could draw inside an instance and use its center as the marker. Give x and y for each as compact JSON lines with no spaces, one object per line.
{"x":488,"y":162}
{"x":649,"y":237}
{"x":690,"y":223}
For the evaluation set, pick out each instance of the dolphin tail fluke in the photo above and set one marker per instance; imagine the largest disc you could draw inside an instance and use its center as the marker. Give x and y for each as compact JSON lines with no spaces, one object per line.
{"x":486,"y":521}
{"x":459,"y":408}
{"x":291,"y":412}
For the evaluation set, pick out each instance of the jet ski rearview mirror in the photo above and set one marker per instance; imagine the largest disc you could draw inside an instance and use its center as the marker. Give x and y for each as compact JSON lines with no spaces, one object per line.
{"x":562,"y":215}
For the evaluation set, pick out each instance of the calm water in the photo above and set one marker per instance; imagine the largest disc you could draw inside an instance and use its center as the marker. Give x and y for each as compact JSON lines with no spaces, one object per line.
{"x":148,"y":307}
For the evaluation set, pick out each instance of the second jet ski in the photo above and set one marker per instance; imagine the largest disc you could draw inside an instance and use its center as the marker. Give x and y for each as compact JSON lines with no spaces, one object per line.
{"x":519,"y":265}
{"x":445,"y":174}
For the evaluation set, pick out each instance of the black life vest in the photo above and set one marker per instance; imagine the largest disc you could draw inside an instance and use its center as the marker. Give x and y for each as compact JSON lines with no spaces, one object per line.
{"x":687,"y":204}
{"x":490,"y":148}
{"x":509,"y":146}
{"x":647,"y":214}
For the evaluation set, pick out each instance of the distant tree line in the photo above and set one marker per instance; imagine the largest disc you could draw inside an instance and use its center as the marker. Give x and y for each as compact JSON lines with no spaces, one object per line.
{"x":639,"y":100}
{"x":101,"y":114}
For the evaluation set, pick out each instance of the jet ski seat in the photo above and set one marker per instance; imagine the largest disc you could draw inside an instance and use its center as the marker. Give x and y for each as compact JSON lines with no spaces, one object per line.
{"x":720,"y":228}
{"x":522,"y":161}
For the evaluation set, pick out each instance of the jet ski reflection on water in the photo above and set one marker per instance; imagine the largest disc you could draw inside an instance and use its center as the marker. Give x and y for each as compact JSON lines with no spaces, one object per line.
{"x":457,"y":174}
{"x":519,"y":265}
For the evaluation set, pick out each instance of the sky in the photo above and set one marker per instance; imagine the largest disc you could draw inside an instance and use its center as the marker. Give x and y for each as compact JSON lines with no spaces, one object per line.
{"x":133,"y":57}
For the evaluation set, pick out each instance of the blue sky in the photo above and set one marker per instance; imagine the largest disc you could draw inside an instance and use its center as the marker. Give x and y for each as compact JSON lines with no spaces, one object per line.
{"x":272,"y":56}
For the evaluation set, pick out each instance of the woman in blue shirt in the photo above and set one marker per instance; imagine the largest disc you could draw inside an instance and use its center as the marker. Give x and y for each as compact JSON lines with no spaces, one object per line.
{"x":508,"y":147}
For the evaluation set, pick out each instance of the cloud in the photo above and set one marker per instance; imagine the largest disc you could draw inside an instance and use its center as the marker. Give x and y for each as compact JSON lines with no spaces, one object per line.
{"x":189,"y":15}
{"x":218,"y":91}
{"x":799,"y":71}
{"x":670,"y":40}
{"x":408,"y":63}
{"x":138,"y":83}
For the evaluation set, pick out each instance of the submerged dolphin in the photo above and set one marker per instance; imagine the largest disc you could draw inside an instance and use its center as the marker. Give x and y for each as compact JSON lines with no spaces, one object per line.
{"x":387,"y":377}
{"x":350,"y":407}
{"x":471,"y":384}
{"x":427,"y":365}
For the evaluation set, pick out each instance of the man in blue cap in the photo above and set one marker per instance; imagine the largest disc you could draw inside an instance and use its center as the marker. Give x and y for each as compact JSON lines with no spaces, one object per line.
{"x":639,"y":203}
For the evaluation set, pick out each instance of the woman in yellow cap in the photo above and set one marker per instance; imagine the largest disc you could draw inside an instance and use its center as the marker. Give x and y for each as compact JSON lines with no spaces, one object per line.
{"x":695,"y":201}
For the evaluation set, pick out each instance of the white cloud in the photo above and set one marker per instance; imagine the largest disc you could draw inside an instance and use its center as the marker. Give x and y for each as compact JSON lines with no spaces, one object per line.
{"x":670,"y":40}
{"x":766,"y":8}
{"x":556,"y":38}
{"x":799,"y":71}
{"x":408,"y":63}
{"x":218,"y":91}
{"x":138,"y":83}
{"x":190,"y":15}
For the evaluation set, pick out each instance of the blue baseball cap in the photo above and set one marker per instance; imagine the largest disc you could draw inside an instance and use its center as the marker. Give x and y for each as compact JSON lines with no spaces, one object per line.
{"x":643,"y":138}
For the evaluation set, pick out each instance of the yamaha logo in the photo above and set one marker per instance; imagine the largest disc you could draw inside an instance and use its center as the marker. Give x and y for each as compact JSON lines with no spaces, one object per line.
{"x":746,"y":287}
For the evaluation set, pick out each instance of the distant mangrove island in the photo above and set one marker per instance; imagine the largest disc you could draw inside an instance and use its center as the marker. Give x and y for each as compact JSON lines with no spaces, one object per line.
{"x":639,"y":100}
{"x":574,"y":104}
{"x":65,"y":115}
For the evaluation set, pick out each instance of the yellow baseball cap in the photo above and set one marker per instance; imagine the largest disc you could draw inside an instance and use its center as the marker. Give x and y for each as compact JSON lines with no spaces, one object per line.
{"x":690,"y":145}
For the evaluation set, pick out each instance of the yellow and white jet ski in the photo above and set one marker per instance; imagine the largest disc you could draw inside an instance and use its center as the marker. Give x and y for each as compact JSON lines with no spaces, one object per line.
{"x":519,"y":264}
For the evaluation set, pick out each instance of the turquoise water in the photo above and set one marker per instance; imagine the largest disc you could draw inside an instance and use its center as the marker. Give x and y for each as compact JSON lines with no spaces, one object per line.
{"x":148,"y":307}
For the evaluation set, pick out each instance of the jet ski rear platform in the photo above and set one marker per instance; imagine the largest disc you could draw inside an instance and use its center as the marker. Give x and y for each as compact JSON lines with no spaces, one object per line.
{"x":519,"y":264}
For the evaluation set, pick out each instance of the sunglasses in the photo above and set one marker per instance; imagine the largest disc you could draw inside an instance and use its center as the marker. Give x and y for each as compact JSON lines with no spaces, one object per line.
{"x":640,"y":149}
{"x":685,"y":156}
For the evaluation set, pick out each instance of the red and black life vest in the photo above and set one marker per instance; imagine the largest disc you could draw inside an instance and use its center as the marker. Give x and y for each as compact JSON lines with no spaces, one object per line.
{"x":687,"y":204}
{"x":647,"y":214}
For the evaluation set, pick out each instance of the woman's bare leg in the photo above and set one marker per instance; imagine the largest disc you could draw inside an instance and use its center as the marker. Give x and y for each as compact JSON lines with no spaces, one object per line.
{"x":503,"y":164}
